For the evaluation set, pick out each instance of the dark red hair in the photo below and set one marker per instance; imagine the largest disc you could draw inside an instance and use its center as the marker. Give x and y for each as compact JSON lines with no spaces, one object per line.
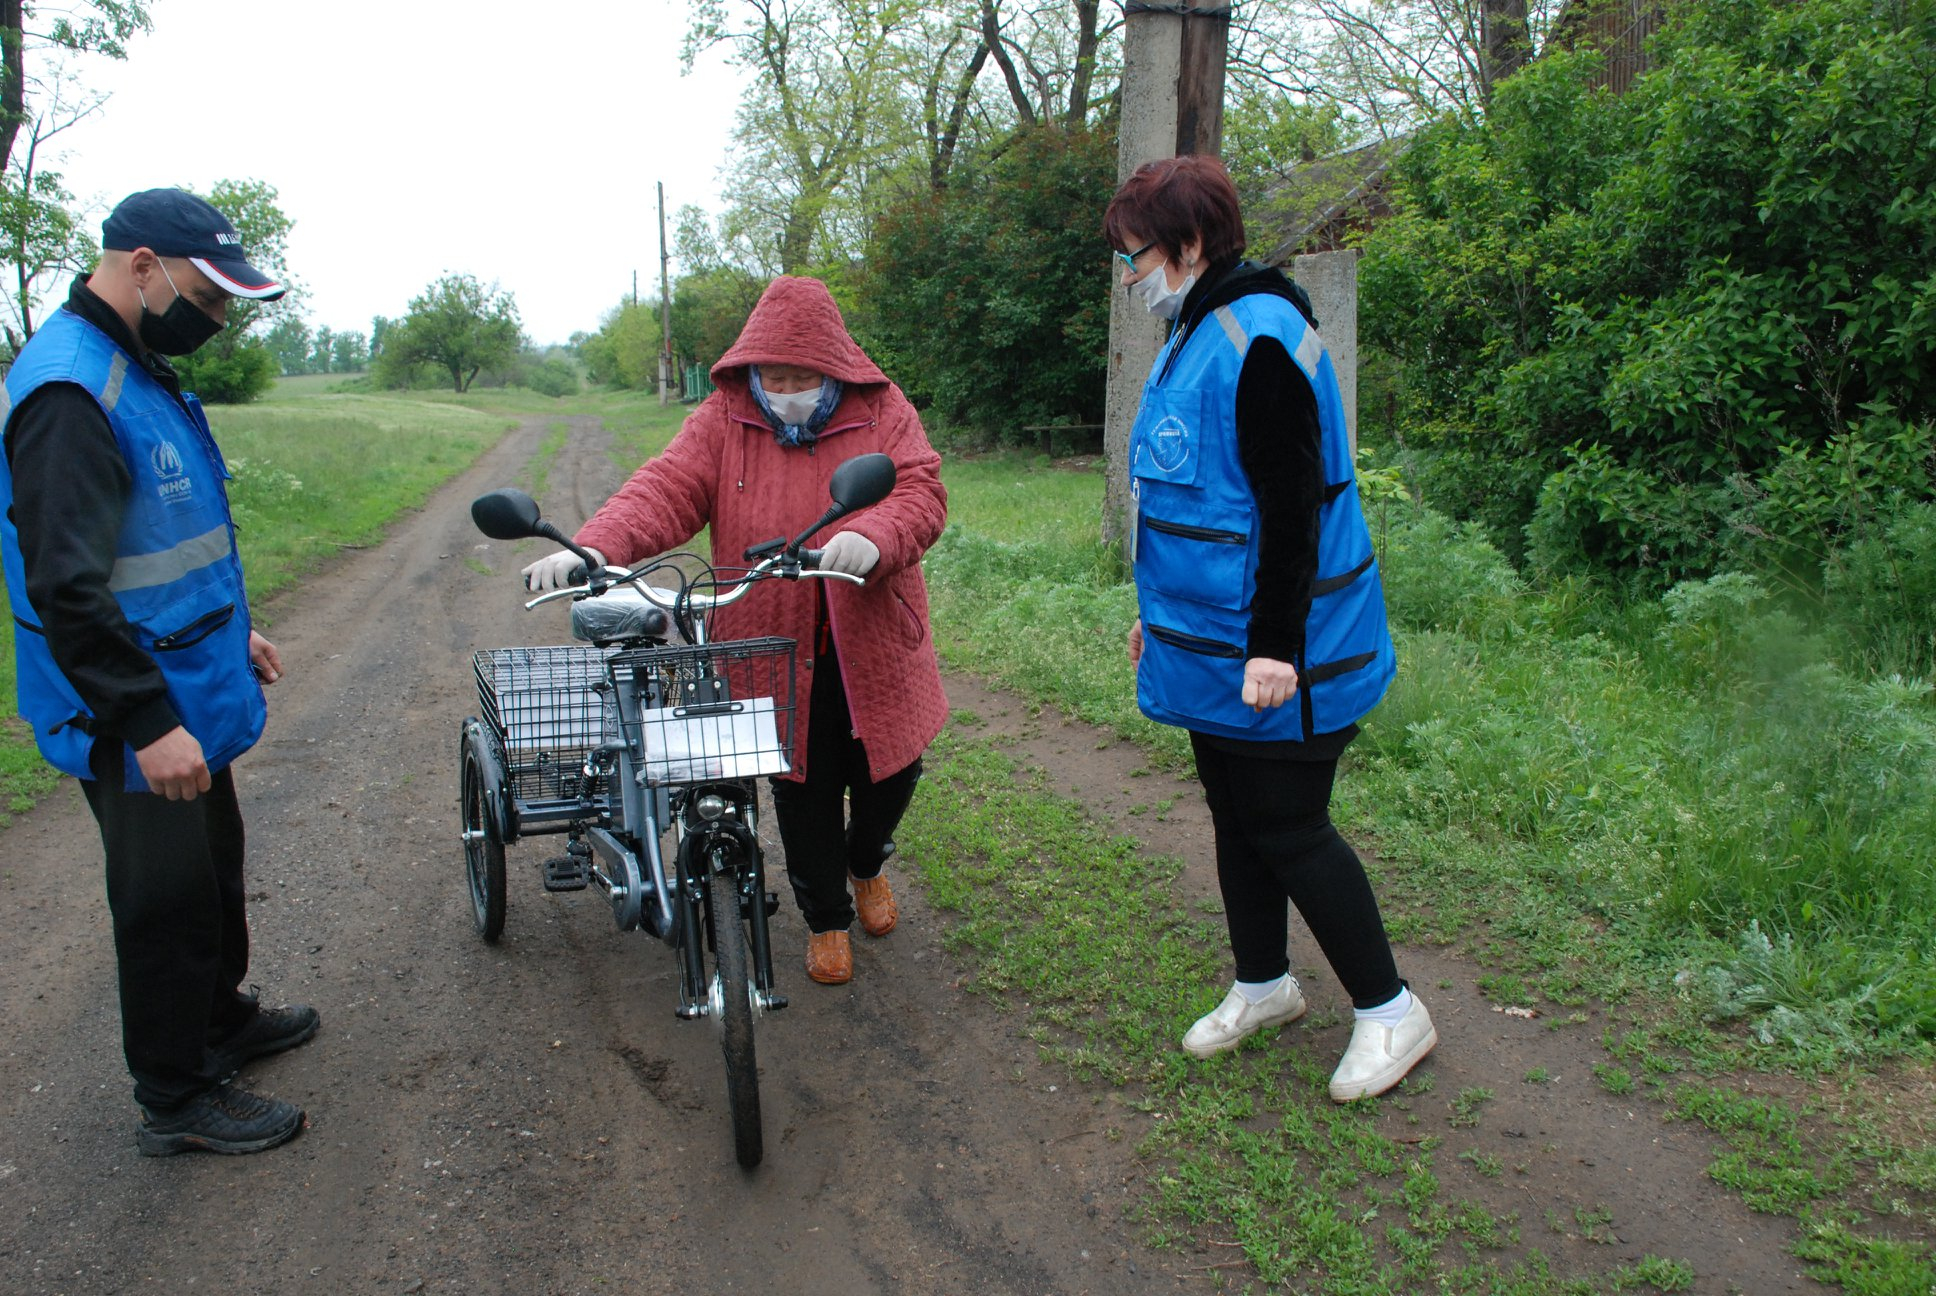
{"x":1173,"y":200}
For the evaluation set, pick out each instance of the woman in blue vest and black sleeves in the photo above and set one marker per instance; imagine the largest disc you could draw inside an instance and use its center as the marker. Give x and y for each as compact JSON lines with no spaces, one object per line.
{"x":1262,"y":627}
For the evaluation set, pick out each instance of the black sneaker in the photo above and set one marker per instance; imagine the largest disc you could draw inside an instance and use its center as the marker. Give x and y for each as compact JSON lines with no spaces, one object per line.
{"x":225,"y":1119}
{"x":271,"y":1030}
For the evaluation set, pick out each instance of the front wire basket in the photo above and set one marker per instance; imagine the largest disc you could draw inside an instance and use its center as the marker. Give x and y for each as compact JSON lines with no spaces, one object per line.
{"x":549,"y":706}
{"x":719,"y":711}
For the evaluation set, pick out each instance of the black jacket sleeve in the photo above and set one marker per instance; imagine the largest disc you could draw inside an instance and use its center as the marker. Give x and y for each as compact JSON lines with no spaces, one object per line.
{"x":69,"y":488}
{"x":1279,"y":445}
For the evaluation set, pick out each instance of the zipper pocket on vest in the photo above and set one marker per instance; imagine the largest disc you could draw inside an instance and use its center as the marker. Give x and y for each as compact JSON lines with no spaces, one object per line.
{"x":1210,"y":535}
{"x":1192,"y":643}
{"x":197,"y":630}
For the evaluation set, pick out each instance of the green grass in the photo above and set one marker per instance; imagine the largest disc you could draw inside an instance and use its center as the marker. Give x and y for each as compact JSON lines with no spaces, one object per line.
{"x":1686,"y":813}
{"x":316,"y":470}
{"x":317,"y":473}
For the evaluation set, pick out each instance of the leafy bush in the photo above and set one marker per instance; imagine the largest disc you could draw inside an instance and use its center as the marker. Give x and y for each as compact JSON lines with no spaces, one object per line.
{"x":1441,"y":574}
{"x":1648,"y":324}
{"x":233,"y":376}
{"x":1880,"y":590}
{"x":549,"y":377}
{"x":982,"y":298}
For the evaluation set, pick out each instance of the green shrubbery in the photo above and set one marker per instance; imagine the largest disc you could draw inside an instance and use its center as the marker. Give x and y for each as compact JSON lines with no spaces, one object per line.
{"x":981,"y":299}
{"x":1707,"y":793}
{"x":1688,"y":328}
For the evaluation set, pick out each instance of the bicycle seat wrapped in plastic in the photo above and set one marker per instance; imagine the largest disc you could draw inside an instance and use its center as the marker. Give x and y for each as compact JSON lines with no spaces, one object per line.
{"x":619,"y":613}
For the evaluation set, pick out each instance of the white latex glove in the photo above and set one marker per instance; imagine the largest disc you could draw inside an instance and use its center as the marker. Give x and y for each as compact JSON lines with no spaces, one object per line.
{"x":554,"y":571}
{"x":850,"y":552}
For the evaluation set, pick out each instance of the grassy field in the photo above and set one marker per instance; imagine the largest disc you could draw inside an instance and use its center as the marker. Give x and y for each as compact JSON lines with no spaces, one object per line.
{"x":316,"y":471}
{"x":1657,"y":810}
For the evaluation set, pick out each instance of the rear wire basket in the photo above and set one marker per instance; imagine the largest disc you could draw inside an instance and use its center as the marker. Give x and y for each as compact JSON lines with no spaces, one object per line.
{"x":549,"y":707}
{"x":720,"y":711}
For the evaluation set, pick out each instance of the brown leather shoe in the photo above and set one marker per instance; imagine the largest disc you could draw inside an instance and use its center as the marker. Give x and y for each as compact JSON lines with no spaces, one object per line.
{"x":874,"y":902}
{"x":830,"y":958}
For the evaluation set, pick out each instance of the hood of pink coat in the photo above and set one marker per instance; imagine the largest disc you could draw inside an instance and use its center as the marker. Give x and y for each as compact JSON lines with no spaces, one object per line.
{"x":797,"y":323}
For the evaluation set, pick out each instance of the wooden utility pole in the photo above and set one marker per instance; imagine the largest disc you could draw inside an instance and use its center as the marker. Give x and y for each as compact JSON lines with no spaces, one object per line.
{"x":1172,"y":97}
{"x":665,"y":308}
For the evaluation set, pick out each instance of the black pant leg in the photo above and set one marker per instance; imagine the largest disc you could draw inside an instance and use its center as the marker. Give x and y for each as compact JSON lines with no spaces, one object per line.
{"x":1281,"y":809}
{"x":874,"y":812}
{"x":1255,"y":908}
{"x":175,"y":893}
{"x":812,"y":813}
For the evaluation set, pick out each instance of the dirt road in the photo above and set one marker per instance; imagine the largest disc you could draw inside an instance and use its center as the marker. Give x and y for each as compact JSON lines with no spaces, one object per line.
{"x":531,"y":1118}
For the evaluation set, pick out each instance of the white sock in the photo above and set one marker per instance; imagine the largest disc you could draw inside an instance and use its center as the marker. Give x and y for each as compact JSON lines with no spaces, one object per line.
{"x":1387,"y":1014}
{"x":1255,"y":992}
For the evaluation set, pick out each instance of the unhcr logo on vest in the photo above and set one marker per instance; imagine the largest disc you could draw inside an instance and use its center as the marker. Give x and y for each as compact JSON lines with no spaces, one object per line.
{"x":173,"y":486}
{"x":1169,"y":443}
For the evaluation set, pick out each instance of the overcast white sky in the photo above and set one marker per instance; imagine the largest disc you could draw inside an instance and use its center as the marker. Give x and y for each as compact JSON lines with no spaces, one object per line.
{"x":516,"y":142}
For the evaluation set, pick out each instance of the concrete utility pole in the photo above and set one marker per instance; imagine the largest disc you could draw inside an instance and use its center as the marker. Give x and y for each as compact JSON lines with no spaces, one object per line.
{"x":1173,"y":63}
{"x":665,"y":309}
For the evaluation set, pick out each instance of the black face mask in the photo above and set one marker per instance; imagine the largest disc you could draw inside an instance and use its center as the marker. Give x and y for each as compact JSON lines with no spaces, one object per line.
{"x":179,"y":329}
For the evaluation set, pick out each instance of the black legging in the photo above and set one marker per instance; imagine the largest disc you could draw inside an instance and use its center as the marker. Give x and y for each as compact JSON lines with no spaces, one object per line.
{"x":826,"y":840}
{"x":181,"y":934}
{"x":1275,"y":841}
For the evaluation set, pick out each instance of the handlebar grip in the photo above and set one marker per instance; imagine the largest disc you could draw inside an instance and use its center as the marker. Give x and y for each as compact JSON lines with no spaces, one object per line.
{"x":810,"y":559}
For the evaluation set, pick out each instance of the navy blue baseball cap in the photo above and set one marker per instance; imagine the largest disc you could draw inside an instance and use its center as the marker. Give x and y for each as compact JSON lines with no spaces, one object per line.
{"x":170,"y":222}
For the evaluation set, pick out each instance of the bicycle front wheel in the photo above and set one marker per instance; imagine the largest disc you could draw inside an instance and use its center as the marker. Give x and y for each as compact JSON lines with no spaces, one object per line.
{"x":732,"y":1004}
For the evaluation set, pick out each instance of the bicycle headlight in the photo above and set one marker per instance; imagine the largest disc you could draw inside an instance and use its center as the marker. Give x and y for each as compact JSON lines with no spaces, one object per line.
{"x":710,"y":807}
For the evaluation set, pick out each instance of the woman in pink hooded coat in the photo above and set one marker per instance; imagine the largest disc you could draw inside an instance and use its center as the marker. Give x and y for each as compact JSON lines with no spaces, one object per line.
{"x":796,"y":398}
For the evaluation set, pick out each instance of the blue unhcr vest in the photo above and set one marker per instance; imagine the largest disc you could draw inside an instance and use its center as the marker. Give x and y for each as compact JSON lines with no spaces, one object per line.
{"x":1194,"y":543}
{"x":176,"y":574}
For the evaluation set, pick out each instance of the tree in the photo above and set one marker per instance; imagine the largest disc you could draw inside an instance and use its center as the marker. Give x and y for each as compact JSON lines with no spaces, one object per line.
{"x":322,"y":349}
{"x":39,"y":232}
{"x":88,"y":27}
{"x":982,"y":298}
{"x":288,"y":341}
{"x":349,"y":353}
{"x":826,"y":107}
{"x":457,"y":325}
{"x":1688,"y":326}
{"x":236,"y":365}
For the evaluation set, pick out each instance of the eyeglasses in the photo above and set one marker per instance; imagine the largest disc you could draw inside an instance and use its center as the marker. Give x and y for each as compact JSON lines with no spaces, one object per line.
{"x":1129,"y":258}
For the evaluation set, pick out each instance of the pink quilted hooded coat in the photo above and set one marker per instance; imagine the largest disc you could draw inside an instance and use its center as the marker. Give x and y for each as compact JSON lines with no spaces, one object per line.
{"x":726,"y":470}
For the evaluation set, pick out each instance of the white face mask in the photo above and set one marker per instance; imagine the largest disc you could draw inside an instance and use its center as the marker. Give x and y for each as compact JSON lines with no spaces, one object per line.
{"x":794,"y":408}
{"x":1161,"y":300}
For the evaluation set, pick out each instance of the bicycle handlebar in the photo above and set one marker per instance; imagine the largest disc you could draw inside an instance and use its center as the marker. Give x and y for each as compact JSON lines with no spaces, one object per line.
{"x":807,"y":565}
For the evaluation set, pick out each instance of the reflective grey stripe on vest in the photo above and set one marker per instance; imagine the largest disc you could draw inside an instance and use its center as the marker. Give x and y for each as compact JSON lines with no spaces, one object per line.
{"x":142,"y":571}
{"x":1232,"y":329}
{"x":6,"y":403}
{"x":1310,"y":350}
{"x":117,"y":373}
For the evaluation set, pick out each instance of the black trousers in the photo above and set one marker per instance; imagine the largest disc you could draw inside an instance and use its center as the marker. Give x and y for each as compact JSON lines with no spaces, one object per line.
{"x":838,"y":821}
{"x":1276,"y":842}
{"x":181,"y":933}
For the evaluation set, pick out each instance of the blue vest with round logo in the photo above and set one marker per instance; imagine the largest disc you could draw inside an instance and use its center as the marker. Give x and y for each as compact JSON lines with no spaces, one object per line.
{"x":1194,"y":542}
{"x":176,"y":574}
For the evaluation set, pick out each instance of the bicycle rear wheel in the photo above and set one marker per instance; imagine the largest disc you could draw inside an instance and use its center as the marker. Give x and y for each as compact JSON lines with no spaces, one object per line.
{"x":483,"y":853}
{"x":732,"y":1003}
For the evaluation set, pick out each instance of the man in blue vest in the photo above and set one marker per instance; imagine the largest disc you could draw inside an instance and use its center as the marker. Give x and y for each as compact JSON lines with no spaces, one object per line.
{"x":138,"y":667}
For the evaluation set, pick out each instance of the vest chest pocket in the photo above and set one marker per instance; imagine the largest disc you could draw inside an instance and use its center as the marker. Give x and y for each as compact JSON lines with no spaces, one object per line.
{"x":1167,"y":441}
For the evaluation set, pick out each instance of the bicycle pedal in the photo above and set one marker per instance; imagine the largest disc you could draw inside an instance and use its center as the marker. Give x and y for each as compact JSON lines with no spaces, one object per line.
{"x":565,"y":873}
{"x":772,"y":903}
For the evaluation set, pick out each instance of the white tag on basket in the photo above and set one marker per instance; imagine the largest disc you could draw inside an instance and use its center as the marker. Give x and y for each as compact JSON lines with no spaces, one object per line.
{"x":681,"y":747}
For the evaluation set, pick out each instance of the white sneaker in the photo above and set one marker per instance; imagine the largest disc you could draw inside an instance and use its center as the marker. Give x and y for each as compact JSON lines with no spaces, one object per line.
{"x":1378,"y":1057}
{"x":1235,"y":1019}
